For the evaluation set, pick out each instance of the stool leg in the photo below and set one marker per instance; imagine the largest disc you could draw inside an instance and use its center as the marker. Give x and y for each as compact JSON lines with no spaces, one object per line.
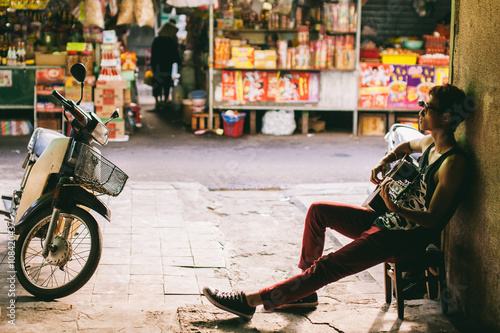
{"x":398,"y":283}
{"x":217,"y":121}
{"x":201,"y":122}
{"x":194,"y":124}
{"x":388,"y":283}
{"x":443,"y":288}
{"x":253,"y":126}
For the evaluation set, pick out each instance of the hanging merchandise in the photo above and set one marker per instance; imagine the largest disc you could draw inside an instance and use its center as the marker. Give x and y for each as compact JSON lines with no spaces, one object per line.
{"x":94,"y":13}
{"x":113,"y":7}
{"x":284,"y":7}
{"x":144,"y":13}
{"x":126,"y":13}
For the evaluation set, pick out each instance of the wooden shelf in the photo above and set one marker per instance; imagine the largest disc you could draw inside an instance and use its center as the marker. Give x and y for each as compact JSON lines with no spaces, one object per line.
{"x":283,"y":69}
{"x":388,"y":110}
{"x":257,"y":30}
{"x":284,"y":30}
{"x":269,"y":69}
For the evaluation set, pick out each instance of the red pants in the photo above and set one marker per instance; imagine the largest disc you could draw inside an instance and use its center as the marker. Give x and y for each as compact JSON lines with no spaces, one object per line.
{"x":371,"y":245}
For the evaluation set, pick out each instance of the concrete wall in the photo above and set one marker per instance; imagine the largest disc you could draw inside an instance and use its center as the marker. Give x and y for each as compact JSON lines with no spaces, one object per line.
{"x":473,"y":238}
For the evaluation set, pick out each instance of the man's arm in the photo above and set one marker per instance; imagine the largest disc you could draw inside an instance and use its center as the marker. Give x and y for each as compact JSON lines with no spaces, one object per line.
{"x":450,"y":178}
{"x":408,"y":147}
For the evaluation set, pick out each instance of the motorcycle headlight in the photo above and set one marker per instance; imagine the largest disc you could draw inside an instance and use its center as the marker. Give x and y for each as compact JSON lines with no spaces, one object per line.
{"x":100,"y":133}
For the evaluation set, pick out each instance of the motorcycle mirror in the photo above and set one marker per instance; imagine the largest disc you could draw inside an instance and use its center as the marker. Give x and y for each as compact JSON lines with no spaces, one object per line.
{"x":115,"y":115}
{"x":79,"y":72}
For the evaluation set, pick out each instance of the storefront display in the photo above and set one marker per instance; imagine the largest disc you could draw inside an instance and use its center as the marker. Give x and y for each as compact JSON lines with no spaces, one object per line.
{"x":261,"y":86}
{"x":385,"y":86}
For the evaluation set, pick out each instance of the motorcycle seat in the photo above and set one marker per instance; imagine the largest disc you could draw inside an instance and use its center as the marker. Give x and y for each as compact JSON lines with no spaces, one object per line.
{"x":43,"y":139}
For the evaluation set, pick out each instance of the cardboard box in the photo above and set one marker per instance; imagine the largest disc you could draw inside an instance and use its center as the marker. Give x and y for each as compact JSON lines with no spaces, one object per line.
{"x":74,"y":93}
{"x":267,"y":64}
{"x":49,"y":121}
{"x":243,"y":57}
{"x":105,"y":111}
{"x":50,"y":75}
{"x":410,"y":120}
{"x":420,"y":81}
{"x":374,"y":85}
{"x":58,"y":59}
{"x":122,"y":84}
{"x":397,"y":86}
{"x":372,"y":124}
{"x":116,"y":128}
{"x":108,"y":96}
{"x":70,"y":81}
{"x":127,"y":96}
{"x":345,"y":59}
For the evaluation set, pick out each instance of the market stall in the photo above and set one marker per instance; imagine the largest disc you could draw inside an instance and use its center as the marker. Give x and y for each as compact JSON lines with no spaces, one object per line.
{"x":39,"y":42}
{"x":275,"y":57}
{"x":403,"y":55}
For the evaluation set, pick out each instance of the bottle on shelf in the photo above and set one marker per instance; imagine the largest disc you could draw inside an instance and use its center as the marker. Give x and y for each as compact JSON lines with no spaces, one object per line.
{"x":229,"y":17}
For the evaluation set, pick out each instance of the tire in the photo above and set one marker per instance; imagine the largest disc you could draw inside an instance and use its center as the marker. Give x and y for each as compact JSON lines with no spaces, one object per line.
{"x":67,"y":269}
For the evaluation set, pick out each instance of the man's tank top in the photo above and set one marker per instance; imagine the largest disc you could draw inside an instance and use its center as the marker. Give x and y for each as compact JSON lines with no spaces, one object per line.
{"x":420,"y":194}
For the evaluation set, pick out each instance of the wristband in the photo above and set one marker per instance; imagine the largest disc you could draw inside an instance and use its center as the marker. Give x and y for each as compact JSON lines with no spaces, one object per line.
{"x":398,"y":210}
{"x":395,"y":155}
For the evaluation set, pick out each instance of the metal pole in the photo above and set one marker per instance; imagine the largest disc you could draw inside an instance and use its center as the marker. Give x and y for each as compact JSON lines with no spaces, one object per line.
{"x":211,"y":68}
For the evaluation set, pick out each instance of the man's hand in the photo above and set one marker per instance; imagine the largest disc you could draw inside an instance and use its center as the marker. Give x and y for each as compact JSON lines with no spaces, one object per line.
{"x":380,"y":169}
{"x":384,"y":193}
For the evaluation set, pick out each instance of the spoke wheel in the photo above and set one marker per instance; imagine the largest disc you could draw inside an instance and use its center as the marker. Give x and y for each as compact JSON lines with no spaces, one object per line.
{"x":72,"y":259}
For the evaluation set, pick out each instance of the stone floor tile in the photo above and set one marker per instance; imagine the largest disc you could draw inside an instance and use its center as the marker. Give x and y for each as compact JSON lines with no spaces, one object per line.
{"x":146,"y":279}
{"x":176,"y":271}
{"x":140,"y":260}
{"x":146,"y":300}
{"x":189,"y":286}
{"x":109,"y":287}
{"x":145,"y":289}
{"x":178,"y":261}
{"x":218,"y":283}
{"x":209,"y":261}
{"x":111,"y":299}
{"x":146,"y":269}
{"x":169,"y":252}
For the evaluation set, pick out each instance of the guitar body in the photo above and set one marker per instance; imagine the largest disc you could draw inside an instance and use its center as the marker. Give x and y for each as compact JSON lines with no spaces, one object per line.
{"x":404,"y":171}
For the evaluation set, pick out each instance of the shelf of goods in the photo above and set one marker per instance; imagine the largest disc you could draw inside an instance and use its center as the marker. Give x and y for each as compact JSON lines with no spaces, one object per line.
{"x":47,"y":112}
{"x":319,"y":74}
{"x":394,"y":90}
{"x":110,"y":90}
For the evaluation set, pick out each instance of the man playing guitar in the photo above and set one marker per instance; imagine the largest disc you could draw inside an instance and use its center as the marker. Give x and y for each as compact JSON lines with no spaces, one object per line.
{"x":403,"y":231}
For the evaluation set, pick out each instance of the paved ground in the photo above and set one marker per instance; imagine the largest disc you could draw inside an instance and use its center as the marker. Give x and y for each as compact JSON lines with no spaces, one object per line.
{"x":167,"y":240}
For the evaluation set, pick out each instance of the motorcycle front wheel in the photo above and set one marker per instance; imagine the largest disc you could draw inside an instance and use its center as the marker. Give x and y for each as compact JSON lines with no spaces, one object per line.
{"x":70,"y":263}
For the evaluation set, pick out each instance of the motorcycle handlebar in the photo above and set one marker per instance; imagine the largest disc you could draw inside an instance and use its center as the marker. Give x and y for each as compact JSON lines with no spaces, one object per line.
{"x":81,"y":117}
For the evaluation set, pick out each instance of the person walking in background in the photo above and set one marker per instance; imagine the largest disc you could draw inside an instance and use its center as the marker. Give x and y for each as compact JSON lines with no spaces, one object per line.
{"x":164,"y":53}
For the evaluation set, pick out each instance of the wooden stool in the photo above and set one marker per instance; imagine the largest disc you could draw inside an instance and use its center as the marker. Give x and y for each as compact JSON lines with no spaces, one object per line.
{"x":199,"y":121}
{"x":431,"y":263}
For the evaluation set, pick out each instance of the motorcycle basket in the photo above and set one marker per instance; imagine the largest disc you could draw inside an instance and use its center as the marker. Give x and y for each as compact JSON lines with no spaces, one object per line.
{"x":96,"y":173}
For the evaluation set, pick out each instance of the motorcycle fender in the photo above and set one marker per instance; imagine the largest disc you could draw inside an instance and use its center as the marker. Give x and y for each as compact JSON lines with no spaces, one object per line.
{"x":75,"y":196}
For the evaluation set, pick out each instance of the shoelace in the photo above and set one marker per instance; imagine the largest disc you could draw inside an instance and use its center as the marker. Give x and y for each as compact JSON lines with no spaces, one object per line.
{"x":230,"y":295}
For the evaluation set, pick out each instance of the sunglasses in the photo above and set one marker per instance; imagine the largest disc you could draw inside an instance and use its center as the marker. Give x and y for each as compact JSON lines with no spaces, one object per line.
{"x":426,"y":106}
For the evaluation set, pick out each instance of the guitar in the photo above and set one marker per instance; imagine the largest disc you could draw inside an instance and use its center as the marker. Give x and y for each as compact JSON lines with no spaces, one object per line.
{"x":404,"y":172}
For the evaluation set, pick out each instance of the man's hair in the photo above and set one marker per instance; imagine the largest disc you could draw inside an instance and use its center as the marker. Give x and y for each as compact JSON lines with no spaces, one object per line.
{"x":452,"y":99}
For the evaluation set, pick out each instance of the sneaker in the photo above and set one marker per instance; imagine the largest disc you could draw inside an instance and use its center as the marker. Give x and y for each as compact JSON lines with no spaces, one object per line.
{"x":234,"y":302}
{"x":310,"y":301}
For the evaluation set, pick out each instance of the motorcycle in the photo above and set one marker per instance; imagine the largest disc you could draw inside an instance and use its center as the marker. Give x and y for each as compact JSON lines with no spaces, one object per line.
{"x":58,"y":242}
{"x":399,"y":133}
